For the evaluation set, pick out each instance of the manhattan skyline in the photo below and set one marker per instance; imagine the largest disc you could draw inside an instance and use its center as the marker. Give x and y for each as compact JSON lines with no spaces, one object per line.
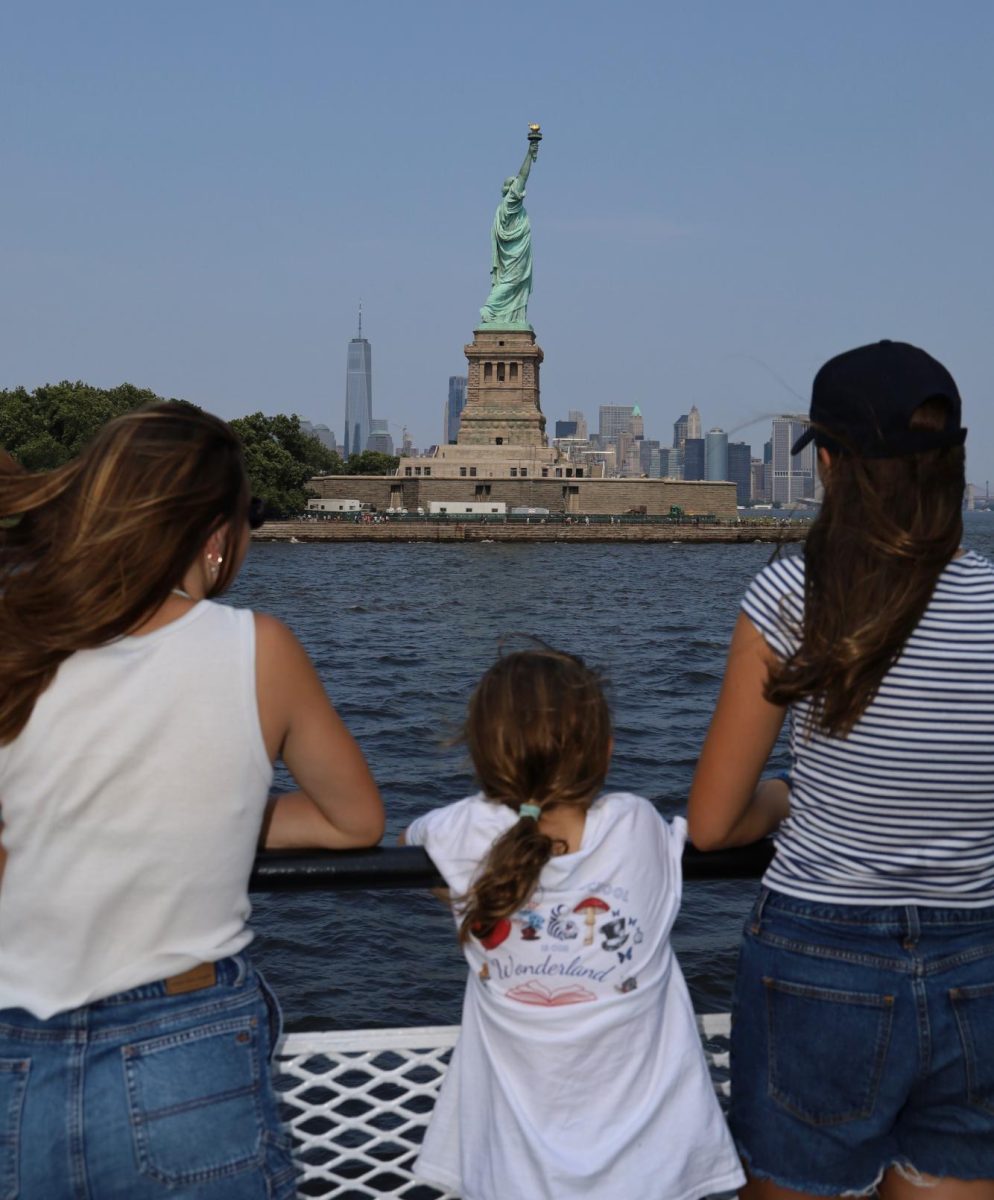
{"x":727,"y":199}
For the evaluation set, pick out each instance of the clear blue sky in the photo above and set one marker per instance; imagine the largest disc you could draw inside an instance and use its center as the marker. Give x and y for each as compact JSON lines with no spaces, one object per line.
{"x":196,"y":195}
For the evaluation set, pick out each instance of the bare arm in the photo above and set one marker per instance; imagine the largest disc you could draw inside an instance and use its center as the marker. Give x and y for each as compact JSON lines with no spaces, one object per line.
{"x":441,"y":893}
{"x":338,"y":805}
{"x":530,"y":155}
{"x":728,"y":805}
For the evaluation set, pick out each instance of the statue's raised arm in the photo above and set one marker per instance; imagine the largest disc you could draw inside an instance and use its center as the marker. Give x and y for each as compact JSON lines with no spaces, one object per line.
{"x":511,"y":251}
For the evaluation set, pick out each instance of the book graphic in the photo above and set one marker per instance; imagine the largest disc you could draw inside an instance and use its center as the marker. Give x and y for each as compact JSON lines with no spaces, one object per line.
{"x":539,"y":994}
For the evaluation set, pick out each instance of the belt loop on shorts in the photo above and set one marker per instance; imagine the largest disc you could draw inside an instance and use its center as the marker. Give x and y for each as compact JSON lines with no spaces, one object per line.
{"x":203,"y":975}
{"x":757,"y":919}
{"x":913,"y":926}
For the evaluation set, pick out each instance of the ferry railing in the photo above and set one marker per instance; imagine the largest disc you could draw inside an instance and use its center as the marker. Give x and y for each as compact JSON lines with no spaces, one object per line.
{"x":357,"y":1102}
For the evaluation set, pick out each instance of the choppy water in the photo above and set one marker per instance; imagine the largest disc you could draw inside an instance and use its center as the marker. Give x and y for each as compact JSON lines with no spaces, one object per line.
{"x":400,"y":633}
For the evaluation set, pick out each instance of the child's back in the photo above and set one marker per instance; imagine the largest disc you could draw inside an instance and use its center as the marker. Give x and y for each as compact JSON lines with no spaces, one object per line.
{"x":579,"y":1071}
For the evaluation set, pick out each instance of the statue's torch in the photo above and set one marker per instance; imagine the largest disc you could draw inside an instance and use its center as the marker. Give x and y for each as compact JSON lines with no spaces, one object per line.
{"x":534,"y":137}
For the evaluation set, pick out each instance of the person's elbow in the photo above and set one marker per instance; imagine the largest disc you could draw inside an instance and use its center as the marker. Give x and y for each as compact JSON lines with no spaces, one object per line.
{"x":365,"y":829}
{"x":706,"y":834}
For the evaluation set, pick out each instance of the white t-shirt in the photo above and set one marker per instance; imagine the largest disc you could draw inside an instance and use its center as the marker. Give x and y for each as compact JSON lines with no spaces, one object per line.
{"x":579,"y":1071}
{"x":132,"y":802}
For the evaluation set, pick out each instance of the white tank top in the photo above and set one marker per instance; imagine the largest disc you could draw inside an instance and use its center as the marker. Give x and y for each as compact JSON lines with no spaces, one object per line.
{"x":132,"y":802}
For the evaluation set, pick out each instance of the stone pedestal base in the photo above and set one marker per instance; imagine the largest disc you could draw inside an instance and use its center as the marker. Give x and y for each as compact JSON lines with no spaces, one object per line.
{"x":502,"y":390}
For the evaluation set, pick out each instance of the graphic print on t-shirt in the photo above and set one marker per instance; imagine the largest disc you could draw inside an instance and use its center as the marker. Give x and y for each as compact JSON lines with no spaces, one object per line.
{"x":550,"y":954}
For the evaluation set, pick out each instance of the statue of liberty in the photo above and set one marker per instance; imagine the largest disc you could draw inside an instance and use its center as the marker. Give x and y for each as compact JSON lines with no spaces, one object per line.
{"x":511,"y":251}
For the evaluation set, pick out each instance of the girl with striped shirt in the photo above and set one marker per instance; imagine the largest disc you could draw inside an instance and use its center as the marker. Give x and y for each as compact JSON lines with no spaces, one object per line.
{"x":863,"y":1022}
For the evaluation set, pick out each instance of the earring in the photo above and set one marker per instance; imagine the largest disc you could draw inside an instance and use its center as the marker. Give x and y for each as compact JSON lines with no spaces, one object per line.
{"x":212,"y":567}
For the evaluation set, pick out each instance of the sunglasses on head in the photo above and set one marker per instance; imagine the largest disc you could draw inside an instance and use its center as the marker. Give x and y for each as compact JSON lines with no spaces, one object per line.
{"x":256,"y":513}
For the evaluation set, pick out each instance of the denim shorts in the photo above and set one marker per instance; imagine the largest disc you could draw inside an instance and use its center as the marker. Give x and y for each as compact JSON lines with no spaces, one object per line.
{"x":145,"y":1095}
{"x":863,"y":1038}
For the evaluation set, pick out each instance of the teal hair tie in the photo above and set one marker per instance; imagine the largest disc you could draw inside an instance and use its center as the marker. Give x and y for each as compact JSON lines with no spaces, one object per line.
{"x":530,"y":810}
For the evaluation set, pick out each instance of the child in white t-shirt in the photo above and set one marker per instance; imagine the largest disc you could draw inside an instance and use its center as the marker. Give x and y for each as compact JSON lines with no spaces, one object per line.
{"x":579,"y":1071}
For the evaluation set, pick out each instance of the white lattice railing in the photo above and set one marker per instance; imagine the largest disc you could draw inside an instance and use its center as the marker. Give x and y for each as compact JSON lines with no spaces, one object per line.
{"x":358,"y":1103}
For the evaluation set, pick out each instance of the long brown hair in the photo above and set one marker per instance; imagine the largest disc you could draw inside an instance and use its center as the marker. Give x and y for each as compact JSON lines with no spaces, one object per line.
{"x":886,"y":530}
{"x":539,"y":732}
{"x":95,"y":546}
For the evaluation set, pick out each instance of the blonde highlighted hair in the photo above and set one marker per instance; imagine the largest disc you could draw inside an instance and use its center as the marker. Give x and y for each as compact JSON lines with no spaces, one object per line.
{"x":89,"y":550}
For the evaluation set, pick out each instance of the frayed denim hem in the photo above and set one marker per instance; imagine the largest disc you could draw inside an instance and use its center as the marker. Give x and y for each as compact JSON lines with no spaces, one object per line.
{"x":815,"y":1189}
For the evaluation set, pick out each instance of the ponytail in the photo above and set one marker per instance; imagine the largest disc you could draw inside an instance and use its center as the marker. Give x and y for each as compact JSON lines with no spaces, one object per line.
{"x":509,"y":878}
{"x":539,"y":734}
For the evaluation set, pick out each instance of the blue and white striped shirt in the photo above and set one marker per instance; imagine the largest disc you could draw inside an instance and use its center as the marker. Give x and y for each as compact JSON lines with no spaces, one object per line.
{"x":901,"y":811}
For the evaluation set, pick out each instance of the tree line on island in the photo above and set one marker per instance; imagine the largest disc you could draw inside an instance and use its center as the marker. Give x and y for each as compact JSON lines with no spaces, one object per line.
{"x":45,"y":428}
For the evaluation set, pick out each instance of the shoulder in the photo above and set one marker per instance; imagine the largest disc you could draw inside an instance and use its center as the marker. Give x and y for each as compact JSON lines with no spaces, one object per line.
{"x":970,"y":570}
{"x":274,"y":642}
{"x":473,"y":817}
{"x":638,"y":816}
{"x":774,"y":602}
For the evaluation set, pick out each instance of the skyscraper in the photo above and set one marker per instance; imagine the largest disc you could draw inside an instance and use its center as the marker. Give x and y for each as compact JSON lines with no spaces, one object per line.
{"x":574,"y":414}
{"x":740,"y":471}
{"x":358,"y":394}
{"x":454,"y":406}
{"x":688,"y":425}
{"x":793,"y":476}
{"x":379,"y":437}
{"x":715,"y":454}
{"x":615,"y":419}
{"x":693,"y":458}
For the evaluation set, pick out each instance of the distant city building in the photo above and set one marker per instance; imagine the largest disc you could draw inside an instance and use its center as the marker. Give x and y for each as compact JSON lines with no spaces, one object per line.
{"x":672,"y":468}
{"x":616,"y":430}
{"x":574,"y":414}
{"x":647,"y":448}
{"x":768,"y":451}
{"x":715,"y":454}
{"x":358,"y":394}
{"x":693,"y":458}
{"x":566,"y":429}
{"x":686,"y":426}
{"x":638,"y":424}
{"x":615,"y":419}
{"x":740,"y":471}
{"x":760,"y":489}
{"x":379,"y":438}
{"x":406,"y":443}
{"x":454,"y":406}
{"x":793,"y":476}
{"x":323,"y":434}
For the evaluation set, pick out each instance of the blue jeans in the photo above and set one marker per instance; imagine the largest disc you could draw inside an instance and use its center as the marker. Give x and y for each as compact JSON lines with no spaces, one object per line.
{"x":145,"y":1095}
{"x":863,"y":1038}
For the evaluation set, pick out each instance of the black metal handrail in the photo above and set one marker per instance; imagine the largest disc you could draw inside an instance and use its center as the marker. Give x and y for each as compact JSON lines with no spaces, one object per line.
{"x":410,"y":867}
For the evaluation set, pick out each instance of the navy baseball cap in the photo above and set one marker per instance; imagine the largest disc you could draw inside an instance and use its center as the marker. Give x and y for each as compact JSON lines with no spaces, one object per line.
{"x":862,"y":402}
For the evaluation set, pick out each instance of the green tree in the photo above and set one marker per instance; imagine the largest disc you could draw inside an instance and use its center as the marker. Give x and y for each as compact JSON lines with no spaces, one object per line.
{"x":49,"y":426}
{"x":371,"y":462}
{"x":281,"y":460}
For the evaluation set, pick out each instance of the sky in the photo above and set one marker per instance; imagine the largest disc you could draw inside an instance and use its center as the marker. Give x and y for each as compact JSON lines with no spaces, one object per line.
{"x":197,"y":194}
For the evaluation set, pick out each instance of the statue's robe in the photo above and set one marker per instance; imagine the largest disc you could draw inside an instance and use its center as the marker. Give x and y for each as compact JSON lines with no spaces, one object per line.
{"x":510,"y":262}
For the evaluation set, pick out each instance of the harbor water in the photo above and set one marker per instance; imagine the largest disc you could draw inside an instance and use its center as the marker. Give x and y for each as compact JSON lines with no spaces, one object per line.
{"x":399,"y":634}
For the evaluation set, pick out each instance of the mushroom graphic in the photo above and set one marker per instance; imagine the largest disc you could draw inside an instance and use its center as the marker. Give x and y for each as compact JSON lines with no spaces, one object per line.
{"x":590,"y":908}
{"x":493,"y":937}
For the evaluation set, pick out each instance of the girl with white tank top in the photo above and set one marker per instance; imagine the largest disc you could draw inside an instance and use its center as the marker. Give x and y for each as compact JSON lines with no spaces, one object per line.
{"x":139,"y":721}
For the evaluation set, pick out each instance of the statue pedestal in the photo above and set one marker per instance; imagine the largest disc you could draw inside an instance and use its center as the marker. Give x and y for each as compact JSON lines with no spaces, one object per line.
{"x":502,"y":390}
